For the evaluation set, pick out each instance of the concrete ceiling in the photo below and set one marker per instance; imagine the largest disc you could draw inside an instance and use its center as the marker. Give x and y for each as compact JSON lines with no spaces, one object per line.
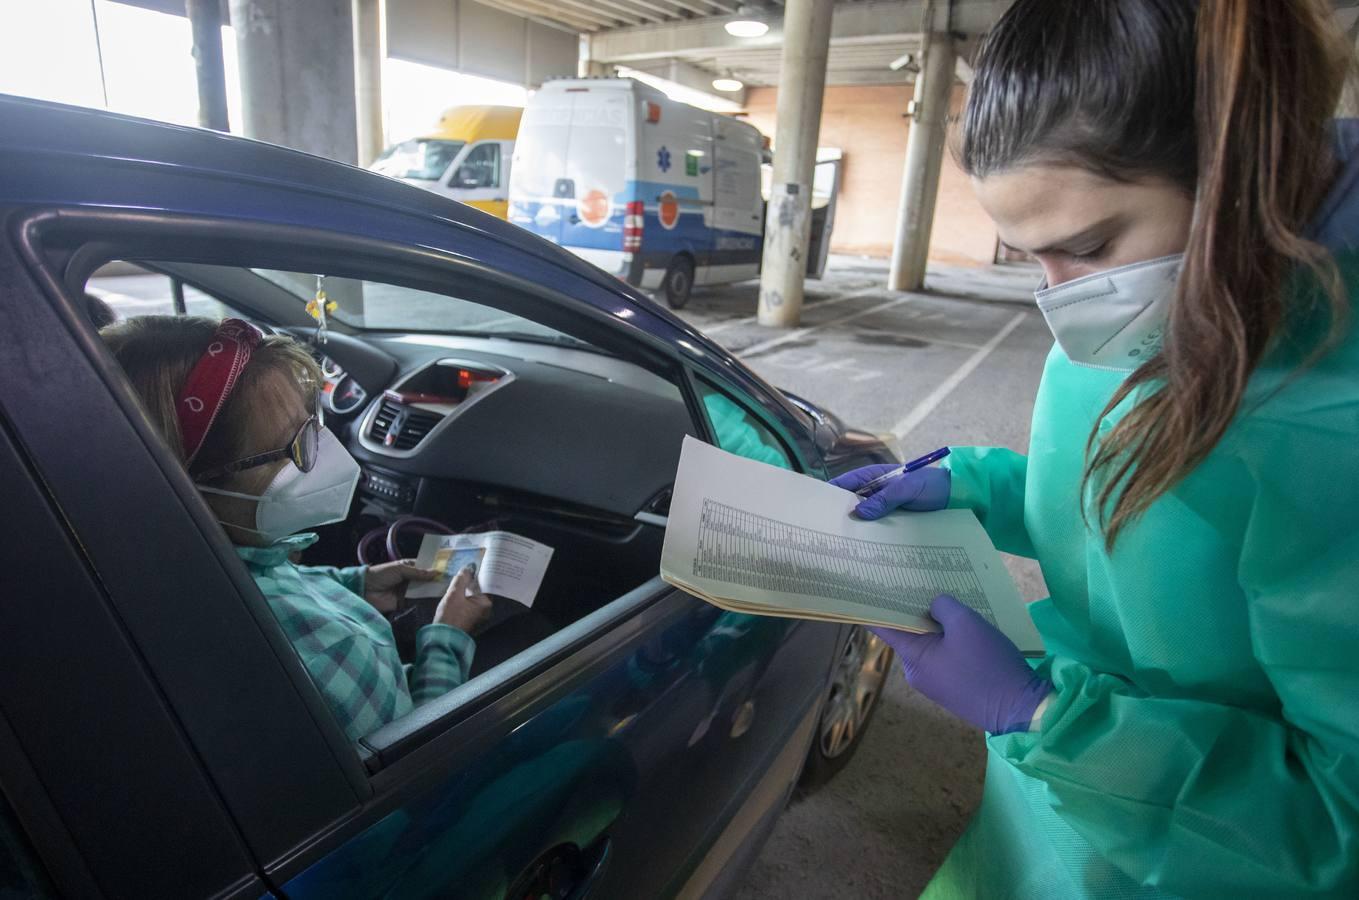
{"x":595,"y":15}
{"x":688,"y":37}
{"x":866,"y":35}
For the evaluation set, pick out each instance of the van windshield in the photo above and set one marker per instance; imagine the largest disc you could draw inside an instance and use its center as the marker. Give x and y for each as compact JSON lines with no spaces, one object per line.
{"x":419,"y":159}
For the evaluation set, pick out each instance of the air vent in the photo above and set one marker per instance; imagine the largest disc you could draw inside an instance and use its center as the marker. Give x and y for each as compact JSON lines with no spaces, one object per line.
{"x":416,"y":426}
{"x":382,"y":422}
{"x":400,"y":427}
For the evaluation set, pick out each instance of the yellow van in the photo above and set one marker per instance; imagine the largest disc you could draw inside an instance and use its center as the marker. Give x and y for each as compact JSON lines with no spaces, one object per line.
{"x":467,"y":157}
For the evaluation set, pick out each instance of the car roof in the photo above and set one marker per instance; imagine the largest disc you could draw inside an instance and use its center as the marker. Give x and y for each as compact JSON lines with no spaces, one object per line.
{"x":36,"y":127}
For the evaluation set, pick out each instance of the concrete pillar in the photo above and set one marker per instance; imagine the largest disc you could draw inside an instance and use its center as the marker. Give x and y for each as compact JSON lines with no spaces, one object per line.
{"x":369,"y":51}
{"x":297,"y":74}
{"x":589,"y":67}
{"x":802,"y":82}
{"x":205,"y":19}
{"x":924,"y":159}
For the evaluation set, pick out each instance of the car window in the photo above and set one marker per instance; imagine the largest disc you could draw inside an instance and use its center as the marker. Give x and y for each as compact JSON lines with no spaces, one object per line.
{"x":480,"y":169}
{"x":544,"y":466}
{"x":737,"y":430}
{"x":379,"y":306}
{"x":420,"y":159}
{"x":124,"y":289}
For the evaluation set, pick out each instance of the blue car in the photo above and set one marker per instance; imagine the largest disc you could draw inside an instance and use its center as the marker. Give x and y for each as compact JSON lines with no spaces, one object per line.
{"x":159,"y":736}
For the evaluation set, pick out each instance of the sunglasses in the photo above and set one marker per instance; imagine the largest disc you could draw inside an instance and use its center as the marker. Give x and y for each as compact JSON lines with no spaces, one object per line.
{"x":301,"y":450}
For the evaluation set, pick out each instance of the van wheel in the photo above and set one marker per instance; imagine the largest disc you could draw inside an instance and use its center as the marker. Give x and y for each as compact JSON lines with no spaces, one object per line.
{"x":856,"y":687}
{"x":678,"y":283}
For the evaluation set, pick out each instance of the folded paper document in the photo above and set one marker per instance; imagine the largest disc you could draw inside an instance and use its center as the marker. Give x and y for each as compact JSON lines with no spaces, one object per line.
{"x":752,"y":538}
{"x":505,"y":564}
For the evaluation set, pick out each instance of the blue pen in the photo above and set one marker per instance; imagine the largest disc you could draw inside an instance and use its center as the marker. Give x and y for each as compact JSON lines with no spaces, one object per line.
{"x":911,"y":466}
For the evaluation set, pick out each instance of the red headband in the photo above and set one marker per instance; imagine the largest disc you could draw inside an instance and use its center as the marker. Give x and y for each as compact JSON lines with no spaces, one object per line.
{"x":210,"y":382}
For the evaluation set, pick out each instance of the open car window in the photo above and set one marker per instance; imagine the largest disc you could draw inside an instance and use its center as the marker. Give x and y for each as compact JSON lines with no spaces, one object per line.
{"x":539,"y":437}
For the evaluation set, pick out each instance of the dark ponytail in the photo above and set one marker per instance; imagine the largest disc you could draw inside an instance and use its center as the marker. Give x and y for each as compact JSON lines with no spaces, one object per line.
{"x":1234,"y":104}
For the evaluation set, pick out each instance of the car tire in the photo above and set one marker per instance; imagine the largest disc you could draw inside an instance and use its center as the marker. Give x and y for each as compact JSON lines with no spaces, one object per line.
{"x":678,"y":283}
{"x":856,"y":689}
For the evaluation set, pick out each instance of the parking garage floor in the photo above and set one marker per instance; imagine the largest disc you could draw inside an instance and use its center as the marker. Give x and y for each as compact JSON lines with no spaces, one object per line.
{"x":958,"y":364}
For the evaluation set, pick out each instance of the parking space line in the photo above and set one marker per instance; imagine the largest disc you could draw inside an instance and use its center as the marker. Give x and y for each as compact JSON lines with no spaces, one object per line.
{"x":746,"y":320}
{"x":800,"y":333}
{"x":936,"y":396}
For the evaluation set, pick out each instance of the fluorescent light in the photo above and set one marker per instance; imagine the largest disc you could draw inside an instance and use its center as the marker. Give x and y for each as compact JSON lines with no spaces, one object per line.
{"x":747,"y":28}
{"x":727,"y":84}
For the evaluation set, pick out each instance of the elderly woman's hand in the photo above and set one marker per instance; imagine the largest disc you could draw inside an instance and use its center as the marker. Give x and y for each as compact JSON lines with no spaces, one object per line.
{"x":384,"y":586}
{"x":464,"y":605}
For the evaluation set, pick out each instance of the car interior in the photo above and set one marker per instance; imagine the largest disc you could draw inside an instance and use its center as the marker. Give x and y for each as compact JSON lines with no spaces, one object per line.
{"x":463,"y":418}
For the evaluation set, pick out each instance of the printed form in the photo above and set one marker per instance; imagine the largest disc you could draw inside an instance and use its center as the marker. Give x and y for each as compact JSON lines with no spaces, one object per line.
{"x":753,"y":538}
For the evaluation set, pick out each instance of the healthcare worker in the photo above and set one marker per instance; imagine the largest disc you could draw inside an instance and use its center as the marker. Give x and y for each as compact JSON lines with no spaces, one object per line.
{"x":1192,"y":483}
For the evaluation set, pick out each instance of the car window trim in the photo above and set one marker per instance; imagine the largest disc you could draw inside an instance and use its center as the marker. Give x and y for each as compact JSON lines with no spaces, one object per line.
{"x":142,"y":229}
{"x":131,"y":235}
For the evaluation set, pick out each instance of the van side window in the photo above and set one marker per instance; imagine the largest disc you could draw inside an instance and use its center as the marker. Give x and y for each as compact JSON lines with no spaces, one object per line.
{"x":738,"y":431}
{"x":481,"y":168}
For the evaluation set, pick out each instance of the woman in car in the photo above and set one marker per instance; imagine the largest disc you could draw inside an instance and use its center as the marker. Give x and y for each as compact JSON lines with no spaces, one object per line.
{"x":1191,"y":483}
{"x":238,"y":408}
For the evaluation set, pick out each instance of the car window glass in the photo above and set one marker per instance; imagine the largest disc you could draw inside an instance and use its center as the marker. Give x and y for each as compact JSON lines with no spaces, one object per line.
{"x":544,"y":463}
{"x":419,"y":159}
{"x":739,"y":431}
{"x":125,"y":289}
{"x":375,"y":305}
{"x":480,"y":169}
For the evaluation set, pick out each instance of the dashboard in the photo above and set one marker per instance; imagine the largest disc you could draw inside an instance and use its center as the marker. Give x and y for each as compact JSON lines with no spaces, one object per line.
{"x":574,"y":427}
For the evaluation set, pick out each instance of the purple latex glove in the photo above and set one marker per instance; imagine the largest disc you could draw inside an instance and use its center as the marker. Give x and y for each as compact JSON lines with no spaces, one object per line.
{"x":920,"y":491}
{"x":970,"y":669}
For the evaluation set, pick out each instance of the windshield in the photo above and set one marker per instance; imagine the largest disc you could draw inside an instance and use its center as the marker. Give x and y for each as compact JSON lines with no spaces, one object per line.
{"x":370,"y":305}
{"x":418,"y":159}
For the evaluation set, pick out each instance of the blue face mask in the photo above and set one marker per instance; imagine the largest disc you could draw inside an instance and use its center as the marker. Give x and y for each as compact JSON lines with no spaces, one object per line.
{"x":296,"y":501}
{"x":1113,"y":320}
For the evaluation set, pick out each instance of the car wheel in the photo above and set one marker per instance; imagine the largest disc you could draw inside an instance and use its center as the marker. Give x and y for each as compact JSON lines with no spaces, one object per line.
{"x":855,"y":689}
{"x":678,"y":282}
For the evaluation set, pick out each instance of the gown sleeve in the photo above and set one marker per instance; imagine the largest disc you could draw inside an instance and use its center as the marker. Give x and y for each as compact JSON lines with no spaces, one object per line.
{"x":990,"y":482}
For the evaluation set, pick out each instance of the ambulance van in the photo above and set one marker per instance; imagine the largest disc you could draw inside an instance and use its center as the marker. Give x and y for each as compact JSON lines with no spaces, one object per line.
{"x":466,"y":157}
{"x":659,"y":193}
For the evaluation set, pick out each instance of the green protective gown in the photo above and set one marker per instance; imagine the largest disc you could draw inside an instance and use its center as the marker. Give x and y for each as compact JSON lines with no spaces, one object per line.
{"x":1203,"y":740}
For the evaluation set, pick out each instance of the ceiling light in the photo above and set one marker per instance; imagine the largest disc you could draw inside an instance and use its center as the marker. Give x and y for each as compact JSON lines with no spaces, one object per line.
{"x":747,"y":28}
{"x":727,"y":83}
{"x":749,"y":21}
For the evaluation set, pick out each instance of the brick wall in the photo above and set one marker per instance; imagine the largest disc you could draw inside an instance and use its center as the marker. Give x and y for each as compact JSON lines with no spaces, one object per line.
{"x":867,"y":124}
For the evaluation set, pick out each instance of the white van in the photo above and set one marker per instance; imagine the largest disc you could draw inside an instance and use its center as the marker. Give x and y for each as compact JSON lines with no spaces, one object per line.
{"x":466,"y":157}
{"x":659,"y":193}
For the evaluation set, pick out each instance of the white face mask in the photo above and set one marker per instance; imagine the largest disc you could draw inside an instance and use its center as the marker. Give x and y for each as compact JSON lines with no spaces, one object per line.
{"x":1112,"y":320}
{"x":295,"y":500}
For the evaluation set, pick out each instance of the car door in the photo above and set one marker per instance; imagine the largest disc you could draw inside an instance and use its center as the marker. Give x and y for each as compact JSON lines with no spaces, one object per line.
{"x":615,"y":756}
